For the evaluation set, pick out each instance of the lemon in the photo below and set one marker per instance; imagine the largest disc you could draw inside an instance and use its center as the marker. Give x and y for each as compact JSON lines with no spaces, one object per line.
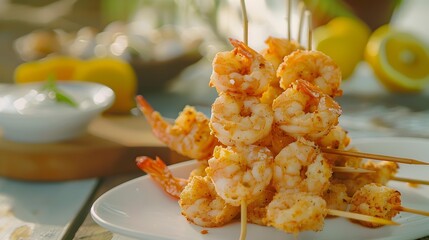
{"x":344,"y":40}
{"x":399,"y":59}
{"x":114,"y":73}
{"x":60,"y":67}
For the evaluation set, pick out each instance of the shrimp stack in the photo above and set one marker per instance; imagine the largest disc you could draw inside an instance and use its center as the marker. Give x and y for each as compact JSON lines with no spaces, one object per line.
{"x":305,"y":113}
{"x":261,"y":147}
{"x":241,"y":170}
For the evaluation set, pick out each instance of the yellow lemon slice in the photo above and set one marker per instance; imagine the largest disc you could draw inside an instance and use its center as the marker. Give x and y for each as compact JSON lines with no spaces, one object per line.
{"x":60,"y":67}
{"x":344,"y":40}
{"x":399,"y":60}
{"x":114,"y":73}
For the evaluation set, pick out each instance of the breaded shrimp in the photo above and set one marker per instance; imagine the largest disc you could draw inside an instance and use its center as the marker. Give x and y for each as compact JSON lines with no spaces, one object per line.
{"x":279,"y":139}
{"x":240,"y":173}
{"x":273,"y":91}
{"x":296,"y":212}
{"x":240,"y":119}
{"x":301,"y":167}
{"x":278,"y":49}
{"x":376,"y":200}
{"x":201,"y":205}
{"x":257,"y":209}
{"x":241,"y":71}
{"x":336,"y":197}
{"x":336,"y":138}
{"x":189,"y":135}
{"x":314,"y":67}
{"x":304,"y":111}
{"x":384,"y":171}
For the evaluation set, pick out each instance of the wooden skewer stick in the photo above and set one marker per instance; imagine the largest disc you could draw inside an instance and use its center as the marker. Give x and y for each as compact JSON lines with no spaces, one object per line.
{"x":288,"y":17}
{"x":310,"y":34}
{"x":351,"y":170}
{"x":361,"y":217}
{"x":409,"y":180}
{"x":245,"y":22}
{"x":243,"y":231}
{"x":372,"y":156}
{"x":301,"y":20}
{"x":362,"y":170}
{"x":410,"y":210}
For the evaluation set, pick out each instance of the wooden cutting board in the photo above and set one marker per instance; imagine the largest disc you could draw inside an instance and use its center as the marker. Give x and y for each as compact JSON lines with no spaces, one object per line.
{"x":110,"y":147}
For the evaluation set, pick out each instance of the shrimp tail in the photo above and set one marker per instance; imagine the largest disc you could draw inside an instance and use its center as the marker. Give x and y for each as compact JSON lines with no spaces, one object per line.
{"x":242,"y":48}
{"x":145,"y":107}
{"x":308,"y":88}
{"x":160,"y":173}
{"x":154,"y":119}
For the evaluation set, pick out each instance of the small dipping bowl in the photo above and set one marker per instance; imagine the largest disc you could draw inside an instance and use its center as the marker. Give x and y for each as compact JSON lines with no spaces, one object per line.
{"x":28,"y":115}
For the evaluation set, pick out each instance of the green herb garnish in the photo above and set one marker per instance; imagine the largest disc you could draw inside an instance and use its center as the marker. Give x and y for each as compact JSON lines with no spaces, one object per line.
{"x":53,"y":91}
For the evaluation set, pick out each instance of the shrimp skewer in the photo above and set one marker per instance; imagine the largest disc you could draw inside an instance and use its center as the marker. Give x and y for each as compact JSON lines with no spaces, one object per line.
{"x":336,"y":138}
{"x":242,"y":71}
{"x":381,"y":173}
{"x":202,"y":206}
{"x":190,"y":135}
{"x":336,"y":197}
{"x":300,"y":167}
{"x":314,"y":67}
{"x":240,"y":172}
{"x":379,"y":201}
{"x":278,"y":49}
{"x":240,"y":119}
{"x":304,"y":111}
{"x":197,"y":197}
{"x":296,"y":212}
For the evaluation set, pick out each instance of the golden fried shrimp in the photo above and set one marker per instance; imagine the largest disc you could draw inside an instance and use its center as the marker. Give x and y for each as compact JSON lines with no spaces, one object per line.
{"x":303,"y":111}
{"x":278,"y":48}
{"x":384,"y":171}
{"x":190,"y":135}
{"x":160,"y":173}
{"x":296,"y":212}
{"x":301,"y":167}
{"x":376,"y":200}
{"x":336,"y":138}
{"x":279,"y":139}
{"x":314,"y":67}
{"x":240,"y":119}
{"x":241,"y":71}
{"x":336,"y":197}
{"x":240,"y":173}
{"x":257,"y":210}
{"x":271,"y":93}
{"x":200,"y":170}
{"x":201,"y":205}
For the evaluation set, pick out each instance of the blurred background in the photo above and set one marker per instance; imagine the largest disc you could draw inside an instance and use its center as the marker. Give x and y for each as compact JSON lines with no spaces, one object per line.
{"x":167,"y":47}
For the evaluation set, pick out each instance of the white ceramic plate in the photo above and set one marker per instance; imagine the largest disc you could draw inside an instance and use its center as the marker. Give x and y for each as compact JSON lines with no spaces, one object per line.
{"x":140,"y":209}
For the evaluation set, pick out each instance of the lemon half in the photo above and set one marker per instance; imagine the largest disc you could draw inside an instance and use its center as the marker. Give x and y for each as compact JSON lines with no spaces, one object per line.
{"x":114,"y":73}
{"x":344,"y":40}
{"x":399,"y":60}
